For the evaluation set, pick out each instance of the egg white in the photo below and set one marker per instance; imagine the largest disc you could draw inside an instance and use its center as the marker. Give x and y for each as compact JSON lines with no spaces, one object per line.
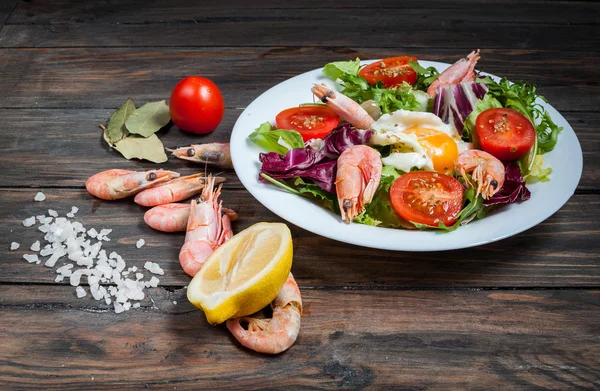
{"x":408,"y":153}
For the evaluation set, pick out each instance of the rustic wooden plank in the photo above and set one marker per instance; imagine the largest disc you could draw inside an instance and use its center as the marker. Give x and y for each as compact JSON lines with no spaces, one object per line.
{"x":103,"y":77}
{"x":523,"y":340}
{"x":6,"y":9}
{"x":524,"y":28}
{"x":113,"y":11}
{"x":71,"y":135}
{"x":562,"y":251}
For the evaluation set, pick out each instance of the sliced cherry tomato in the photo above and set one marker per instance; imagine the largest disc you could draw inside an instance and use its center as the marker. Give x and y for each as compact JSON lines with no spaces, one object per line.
{"x":505,"y":133}
{"x":390,"y":71}
{"x":427,"y":197}
{"x":310,"y":121}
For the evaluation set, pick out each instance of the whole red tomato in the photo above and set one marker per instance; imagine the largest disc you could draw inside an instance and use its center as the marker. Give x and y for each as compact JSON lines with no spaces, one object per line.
{"x":196,"y":105}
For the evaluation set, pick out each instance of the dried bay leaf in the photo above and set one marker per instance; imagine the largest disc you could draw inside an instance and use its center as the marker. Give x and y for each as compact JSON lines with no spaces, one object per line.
{"x":116,"y":129}
{"x":148,"y":119}
{"x":138,"y":147}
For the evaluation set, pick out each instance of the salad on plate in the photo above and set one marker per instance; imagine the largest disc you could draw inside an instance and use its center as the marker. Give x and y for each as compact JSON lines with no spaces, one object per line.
{"x":394,"y":144}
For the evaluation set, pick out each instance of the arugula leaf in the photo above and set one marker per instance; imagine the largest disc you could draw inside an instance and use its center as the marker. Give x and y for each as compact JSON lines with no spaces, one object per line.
{"x":522,"y":98}
{"x":425,"y":76}
{"x":276,"y":140}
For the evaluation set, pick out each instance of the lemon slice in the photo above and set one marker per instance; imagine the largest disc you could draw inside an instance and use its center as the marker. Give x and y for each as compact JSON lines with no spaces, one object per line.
{"x":244,"y":274}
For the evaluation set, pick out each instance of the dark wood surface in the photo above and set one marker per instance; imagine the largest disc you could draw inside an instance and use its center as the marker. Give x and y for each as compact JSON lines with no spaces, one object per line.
{"x":522,"y":313}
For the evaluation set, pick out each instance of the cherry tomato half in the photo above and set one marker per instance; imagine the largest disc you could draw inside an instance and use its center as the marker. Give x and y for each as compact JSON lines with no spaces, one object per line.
{"x":427,"y":197}
{"x":390,"y":71}
{"x":196,"y":105}
{"x":310,"y":121}
{"x":505,"y":133}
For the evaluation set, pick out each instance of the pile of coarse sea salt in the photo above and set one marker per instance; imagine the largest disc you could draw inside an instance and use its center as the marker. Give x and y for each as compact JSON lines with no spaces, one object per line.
{"x":107,"y":275}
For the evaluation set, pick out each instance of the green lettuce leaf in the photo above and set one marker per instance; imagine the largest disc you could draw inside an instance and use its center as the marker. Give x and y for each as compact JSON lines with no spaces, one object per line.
{"x":425,"y":76}
{"x":335,"y":70}
{"x":537,"y":172}
{"x":276,"y":140}
{"x":324,"y":198}
{"x":487,"y":102}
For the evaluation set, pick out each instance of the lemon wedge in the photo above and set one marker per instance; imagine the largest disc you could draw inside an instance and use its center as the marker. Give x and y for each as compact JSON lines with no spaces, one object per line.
{"x":244,"y":274}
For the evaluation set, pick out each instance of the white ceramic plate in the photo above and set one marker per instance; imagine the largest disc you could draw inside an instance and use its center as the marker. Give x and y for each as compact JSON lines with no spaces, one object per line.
{"x":546,"y":198}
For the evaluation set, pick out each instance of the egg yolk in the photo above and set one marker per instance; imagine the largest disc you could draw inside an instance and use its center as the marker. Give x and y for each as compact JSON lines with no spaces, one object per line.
{"x":441,"y":148}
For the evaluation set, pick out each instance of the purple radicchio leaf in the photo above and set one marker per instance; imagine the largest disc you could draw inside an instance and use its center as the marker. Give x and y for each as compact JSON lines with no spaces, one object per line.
{"x":454,"y":103}
{"x":514,"y":188}
{"x":305,"y":163}
{"x":343,"y":137}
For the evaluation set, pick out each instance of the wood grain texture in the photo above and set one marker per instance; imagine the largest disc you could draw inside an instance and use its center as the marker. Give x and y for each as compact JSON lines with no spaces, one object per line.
{"x":72,"y":135}
{"x":114,"y":24}
{"x":522,"y":340}
{"x":103,"y":78}
{"x":562,"y":251}
{"x":6,"y":9}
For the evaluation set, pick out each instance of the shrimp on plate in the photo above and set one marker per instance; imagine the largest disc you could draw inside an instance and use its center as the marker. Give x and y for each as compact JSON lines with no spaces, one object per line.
{"x":216,"y":154}
{"x":459,"y":72}
{"x":343,"y":106}
{"x":487,"y":172}
{"x":358,"y":176}
{"x":207,"y":228}
{"x":173,"y":191}
{"x":278,"y":333}
{"x":116,"y":184}
{"x":174,"y":217}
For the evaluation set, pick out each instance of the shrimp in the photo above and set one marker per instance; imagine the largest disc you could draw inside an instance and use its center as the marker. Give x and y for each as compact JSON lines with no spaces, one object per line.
{"x":116,"y":184}
{"x":459,"y":72}
{"x":216,"y":154}
{"x":358,"y":175}
{"x":173,"y":191}
{"x":174,"y":217}
{"x":344,"y":106}
{"x":487,"y":171}
{"x":207,"y":229}
{"x":273,"y":335}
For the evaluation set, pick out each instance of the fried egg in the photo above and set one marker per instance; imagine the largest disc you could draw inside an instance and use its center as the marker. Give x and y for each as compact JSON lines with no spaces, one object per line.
{"x":420,"y":140}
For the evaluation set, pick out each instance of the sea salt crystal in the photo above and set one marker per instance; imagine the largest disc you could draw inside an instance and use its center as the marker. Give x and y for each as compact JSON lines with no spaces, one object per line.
{"x":140,"y":243}
{"x":139,"y":276}
{"x":59,"y":278}
{"x":80,"y":292}
{"x":35,"y":246}
{"x":39,"y":196}
{"x":92,"y":233}
{"x":153,"y":282}
{"x":118,"y":308}
{"x":153,"y":268}
{"x":14,"y":246}
{"x":136,"y":305}
{"x":28,"y":222}
{"x":31,"y":258}
{"x":52,"y":213}
{"x":174,"y":302}
{"x":127,"y":306}
{"x":74,"y":210}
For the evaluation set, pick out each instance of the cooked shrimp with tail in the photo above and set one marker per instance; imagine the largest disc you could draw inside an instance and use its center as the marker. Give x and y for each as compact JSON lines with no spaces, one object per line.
{"x":207,"y":228}
{"x":174,"y":217}
{"x":461,"y":71}
{"x":214,"y":154}
{"x":343,"y":106}
{"x":487,"y":172}
{"x":358,"y":176}
{"x":175,"y":190}
{"x":116,"y":184}
{"x":278,"y":333}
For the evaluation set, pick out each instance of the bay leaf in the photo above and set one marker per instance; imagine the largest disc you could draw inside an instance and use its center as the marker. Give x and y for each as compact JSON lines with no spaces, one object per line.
{"x":116,"y":129}
{"x":138,"y":147}
{"x":149,"y":118}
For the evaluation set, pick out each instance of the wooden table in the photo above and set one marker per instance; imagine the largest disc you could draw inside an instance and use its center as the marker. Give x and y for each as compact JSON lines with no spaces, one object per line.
{"x":522,"y":313}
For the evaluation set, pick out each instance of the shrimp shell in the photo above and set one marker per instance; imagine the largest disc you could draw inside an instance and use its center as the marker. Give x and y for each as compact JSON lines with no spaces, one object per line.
{"x":343,"y":106}
{"x":216,"y":154}
{"x":116,"y":184}
{"x":173,"y":191}
{"x":277,"y":334}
